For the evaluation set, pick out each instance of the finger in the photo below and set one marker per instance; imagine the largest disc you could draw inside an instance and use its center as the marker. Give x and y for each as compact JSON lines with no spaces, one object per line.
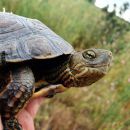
{"x":1,"y":127}
{"x":34,"y":105}
{"x":26,"y":120}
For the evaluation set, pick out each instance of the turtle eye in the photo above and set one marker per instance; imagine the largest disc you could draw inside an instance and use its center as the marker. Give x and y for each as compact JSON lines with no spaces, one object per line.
{"x":89,"y":54}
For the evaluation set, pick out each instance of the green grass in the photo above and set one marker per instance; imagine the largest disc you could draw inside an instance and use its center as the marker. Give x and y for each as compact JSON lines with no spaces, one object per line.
{"x":106,"y":104}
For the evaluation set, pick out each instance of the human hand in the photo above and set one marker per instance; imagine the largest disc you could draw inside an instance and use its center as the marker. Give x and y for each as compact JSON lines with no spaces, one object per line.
{"x":1,"y":127}
{"x":26,"y":115}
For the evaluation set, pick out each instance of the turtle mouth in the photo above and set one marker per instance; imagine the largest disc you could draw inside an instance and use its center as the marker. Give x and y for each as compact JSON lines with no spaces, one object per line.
{"x":88,"y":71}
{"x":83,"y":69}
{"x":101,"y":68}
{"x":89,"y":75}
{"x":97,"y":65}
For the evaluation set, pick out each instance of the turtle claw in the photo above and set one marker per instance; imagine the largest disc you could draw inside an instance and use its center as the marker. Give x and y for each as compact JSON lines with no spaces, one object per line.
{"x":11,"y":124}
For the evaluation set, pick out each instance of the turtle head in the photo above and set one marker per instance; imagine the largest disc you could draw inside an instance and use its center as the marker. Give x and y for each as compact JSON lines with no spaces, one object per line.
{"x":89,"y":65}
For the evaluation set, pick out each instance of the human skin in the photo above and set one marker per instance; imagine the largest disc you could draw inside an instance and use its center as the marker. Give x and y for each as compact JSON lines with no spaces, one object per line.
{"x":26,"y":116}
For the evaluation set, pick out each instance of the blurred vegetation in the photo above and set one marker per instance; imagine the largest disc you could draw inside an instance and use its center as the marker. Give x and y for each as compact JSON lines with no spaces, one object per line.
{"x":106,"y":104}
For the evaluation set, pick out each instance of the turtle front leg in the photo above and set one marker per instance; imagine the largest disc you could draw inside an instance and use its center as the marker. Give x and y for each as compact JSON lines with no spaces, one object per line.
{"x":15,"y":95}
{"x":11,"y":124}
{"x":48,"y":90}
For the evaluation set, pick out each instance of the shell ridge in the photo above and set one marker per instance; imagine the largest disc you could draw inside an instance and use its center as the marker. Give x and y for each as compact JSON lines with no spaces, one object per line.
{"x":43,"y":33}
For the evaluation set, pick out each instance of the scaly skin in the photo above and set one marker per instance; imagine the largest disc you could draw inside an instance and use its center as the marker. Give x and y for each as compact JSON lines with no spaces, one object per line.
{"x":15,"y":95}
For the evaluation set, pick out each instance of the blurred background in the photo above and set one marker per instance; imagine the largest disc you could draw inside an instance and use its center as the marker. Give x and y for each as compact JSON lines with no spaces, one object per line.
{"x":85,"y":24}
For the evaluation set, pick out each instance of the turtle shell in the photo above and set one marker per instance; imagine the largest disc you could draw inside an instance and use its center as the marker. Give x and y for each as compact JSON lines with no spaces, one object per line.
{"x":24,"y":39}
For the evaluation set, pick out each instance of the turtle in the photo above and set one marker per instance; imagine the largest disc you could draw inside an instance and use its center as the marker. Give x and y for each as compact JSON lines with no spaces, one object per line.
{"x":35,"y":61}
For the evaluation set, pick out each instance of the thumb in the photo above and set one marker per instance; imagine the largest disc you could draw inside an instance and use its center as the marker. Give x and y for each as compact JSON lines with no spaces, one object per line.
{"x":34,"y":105}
